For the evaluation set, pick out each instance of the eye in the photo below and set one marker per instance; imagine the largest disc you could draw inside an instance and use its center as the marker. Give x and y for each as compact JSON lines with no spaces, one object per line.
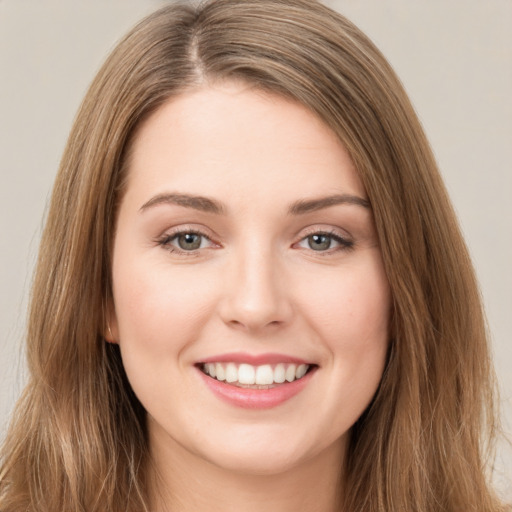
{"x":319,"y":242}
{"x":189,"y":241}
{"x":323,"y":242}
{"x":185,"y":241}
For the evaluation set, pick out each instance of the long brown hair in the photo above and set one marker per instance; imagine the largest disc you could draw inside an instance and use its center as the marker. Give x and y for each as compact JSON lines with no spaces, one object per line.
{"x":78,"y":442}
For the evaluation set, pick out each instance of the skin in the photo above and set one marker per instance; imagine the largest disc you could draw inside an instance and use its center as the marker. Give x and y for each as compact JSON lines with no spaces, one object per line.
{"x":255,"y":285}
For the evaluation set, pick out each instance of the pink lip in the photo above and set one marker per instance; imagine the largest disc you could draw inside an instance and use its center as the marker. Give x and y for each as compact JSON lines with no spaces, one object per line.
{"x":248,"y":398}
{"x":254,"y":360}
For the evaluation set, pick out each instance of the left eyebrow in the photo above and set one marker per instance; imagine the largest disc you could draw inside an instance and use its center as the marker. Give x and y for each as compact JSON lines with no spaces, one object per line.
{"x":311,"y":205}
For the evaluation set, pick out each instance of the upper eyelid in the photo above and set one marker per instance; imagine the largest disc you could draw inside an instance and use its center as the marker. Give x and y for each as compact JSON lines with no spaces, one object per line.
{"x":331,"y":231}
{"x":179,"y":230}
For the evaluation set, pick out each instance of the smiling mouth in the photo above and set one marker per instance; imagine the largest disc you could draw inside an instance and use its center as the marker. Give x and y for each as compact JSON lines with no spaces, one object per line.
{"x":265,"y":376}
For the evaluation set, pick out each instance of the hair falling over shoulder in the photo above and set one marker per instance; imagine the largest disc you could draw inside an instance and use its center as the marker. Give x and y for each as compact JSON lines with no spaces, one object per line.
{"x":77,"y":440}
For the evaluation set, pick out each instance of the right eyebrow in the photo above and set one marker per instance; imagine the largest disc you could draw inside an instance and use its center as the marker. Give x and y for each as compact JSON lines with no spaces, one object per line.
{"x":201,"y":203}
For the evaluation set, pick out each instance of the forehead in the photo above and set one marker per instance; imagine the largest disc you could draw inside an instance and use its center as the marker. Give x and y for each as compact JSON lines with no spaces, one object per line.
{"x":231,"y":135}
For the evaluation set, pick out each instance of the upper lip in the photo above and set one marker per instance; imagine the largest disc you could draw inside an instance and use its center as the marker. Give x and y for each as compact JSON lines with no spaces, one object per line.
{"x":254,"y":359}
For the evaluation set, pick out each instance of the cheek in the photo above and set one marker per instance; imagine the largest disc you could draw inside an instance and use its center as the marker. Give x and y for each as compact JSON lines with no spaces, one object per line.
{"x":160,"y":311}
{"x":351,"y":308}
{"x":355,"y":328}
{"x":157,"y":304}
{"x":350,"y":313}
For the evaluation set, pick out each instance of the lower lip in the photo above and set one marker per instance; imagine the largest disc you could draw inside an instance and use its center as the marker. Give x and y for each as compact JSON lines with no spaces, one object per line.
{"x":248,"y":398}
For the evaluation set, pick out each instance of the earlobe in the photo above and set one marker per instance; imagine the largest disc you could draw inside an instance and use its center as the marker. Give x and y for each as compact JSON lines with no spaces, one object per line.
{"x":109,"y":336}
{"x":110,"y":330}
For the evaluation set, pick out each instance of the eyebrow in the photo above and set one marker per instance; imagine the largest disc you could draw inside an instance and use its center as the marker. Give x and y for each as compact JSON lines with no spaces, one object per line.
{"x":204,"y":204}
{"x":311,"y":205}
{"x":208,"y":205}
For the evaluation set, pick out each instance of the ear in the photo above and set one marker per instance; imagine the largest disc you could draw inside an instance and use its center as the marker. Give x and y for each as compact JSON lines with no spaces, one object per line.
{"x":110,"y":329}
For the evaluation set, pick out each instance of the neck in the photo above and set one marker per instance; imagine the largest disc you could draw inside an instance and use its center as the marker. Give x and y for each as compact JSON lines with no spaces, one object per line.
{"x":184,"y":482}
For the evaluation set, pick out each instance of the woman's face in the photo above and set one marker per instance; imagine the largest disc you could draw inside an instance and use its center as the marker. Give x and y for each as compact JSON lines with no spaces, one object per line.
{"x":245,"y":255}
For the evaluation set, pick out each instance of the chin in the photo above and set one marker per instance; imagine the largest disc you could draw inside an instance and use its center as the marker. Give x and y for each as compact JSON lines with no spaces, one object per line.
{"x":257,"y":463}
{"x":264,"y":454}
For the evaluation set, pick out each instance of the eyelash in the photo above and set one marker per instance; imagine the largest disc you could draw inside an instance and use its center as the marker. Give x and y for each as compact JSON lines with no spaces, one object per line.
{"x":166,"y":240}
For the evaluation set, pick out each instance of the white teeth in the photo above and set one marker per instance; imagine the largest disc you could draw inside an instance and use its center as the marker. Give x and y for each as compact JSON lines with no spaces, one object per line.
{"x":301,"y":371}
{"x":220,"y":373}
{"x":279,"y":374}
{"x":211,"y":369}
{"x":264,"y":375}
{"x":231,"y":373}
{"x":246,"y":374}
{"x":290,"y":373}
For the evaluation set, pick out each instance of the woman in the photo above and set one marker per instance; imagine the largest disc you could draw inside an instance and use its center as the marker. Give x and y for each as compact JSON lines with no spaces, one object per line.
{"x":251,"y":287}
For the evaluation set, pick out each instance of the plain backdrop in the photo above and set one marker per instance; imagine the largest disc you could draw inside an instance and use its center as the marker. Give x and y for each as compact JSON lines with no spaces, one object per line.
{"x":453,"y":56}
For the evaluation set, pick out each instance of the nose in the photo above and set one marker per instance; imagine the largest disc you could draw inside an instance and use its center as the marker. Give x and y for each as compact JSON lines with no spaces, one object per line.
{"x":256,"y":297}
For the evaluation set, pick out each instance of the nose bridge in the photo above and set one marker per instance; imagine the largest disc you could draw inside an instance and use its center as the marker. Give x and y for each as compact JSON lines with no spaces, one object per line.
{"x":256,"y":295}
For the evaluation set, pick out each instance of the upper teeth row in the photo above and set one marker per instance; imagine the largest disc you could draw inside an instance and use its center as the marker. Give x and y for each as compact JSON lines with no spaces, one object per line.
{"x":248,"y":374}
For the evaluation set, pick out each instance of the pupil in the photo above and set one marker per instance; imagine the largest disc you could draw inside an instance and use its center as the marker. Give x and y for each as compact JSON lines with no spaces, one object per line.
{"x":189,"y":241}
{"x":319,"y":242}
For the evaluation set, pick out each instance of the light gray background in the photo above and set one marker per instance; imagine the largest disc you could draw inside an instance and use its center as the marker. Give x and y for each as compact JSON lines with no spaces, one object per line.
{"x":454,"y":57}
